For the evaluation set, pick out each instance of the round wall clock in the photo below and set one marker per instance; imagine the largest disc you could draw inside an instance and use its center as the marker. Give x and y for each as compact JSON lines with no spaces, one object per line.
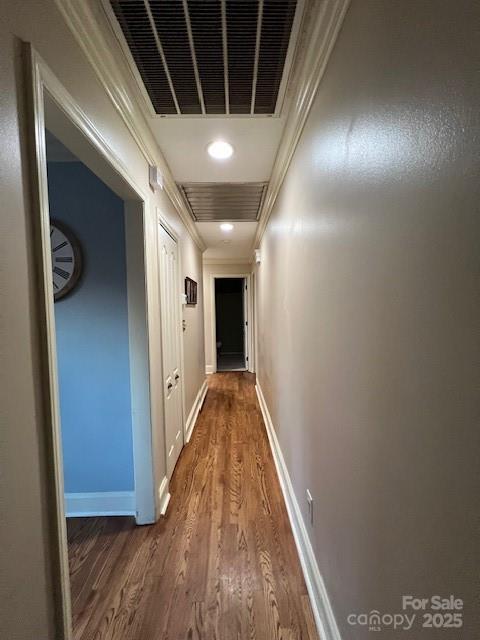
{"x":66,"y":259}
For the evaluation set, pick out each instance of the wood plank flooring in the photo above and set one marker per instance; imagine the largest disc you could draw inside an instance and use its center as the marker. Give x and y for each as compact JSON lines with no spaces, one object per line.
{"x":222,"y":564}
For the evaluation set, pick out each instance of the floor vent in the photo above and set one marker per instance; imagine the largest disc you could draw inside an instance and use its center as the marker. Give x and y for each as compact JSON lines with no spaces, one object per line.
{"x":207,"y":57}
{"x":224,"y":201}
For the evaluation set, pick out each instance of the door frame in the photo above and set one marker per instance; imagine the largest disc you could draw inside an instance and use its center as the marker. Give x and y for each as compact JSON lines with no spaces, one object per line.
{"x":248,"y":317}
{"x":46,"y":93}
{"x":162,"y":221}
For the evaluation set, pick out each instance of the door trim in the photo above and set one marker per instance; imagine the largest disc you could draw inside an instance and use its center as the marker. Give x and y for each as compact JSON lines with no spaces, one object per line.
{"x":248,"y":318}
{"x":46,"y":92}
{"x":162,"y":221}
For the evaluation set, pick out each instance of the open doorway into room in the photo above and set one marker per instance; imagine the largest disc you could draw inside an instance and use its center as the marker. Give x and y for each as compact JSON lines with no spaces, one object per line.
{"x":231,"y":324}
{"x":89,"y":277}
{"x":98,"y":365}
{"x":91,"y":261}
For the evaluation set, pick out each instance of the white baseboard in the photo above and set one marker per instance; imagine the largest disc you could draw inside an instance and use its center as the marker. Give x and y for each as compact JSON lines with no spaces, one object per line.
{"x":209,"y":369}
{"x":322,"y":610}
{"x":102,"y":503}
{"x":163,"y":496}
{"x":195,"y":410}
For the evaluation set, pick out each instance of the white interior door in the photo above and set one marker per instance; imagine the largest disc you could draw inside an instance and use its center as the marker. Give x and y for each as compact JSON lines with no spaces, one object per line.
{"x":170,"y":302}
{"x":245,"y":321}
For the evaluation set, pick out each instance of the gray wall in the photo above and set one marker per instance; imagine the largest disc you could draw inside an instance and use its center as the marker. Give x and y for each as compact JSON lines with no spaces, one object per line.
{"x":369,"y":281}
{"x":193,"y":334}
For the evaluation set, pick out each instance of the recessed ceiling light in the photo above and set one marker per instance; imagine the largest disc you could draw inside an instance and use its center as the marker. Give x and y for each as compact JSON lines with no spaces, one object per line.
{"x":226,"y":226}
{"x":220,"y":150}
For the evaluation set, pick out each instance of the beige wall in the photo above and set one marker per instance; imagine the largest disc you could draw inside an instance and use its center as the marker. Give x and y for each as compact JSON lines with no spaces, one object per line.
{"x":208,"y":271}
{"x":26,"y":599}
{"x":369,"y":282}
{"x":193,"y":335}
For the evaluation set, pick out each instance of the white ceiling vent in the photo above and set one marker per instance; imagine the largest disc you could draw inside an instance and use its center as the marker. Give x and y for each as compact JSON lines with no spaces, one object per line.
{"x":210,"y":57}
{"x":224,"y":201}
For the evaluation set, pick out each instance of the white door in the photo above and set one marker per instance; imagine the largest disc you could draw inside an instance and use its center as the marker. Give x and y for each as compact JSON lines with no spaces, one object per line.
{"x":169,"y":311}
{"x":245,"y":321}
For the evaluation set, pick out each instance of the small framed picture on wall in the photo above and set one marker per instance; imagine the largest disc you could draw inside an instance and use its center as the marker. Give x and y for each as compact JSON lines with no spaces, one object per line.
{"x":191,"y":291}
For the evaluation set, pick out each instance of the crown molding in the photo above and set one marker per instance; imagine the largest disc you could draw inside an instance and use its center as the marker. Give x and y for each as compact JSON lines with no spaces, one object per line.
{"x":242,"y":261}
{"x":145,"y":102}
{"x":100,"y":45}
{"x":323,"y":24}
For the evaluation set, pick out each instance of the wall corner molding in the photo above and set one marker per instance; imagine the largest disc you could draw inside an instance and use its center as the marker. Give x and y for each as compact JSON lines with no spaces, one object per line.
{"x":322,"y":610}
{"x":93,"y":39}
{"x":163,"y":496}
{"x":209,"y":369}
{"x":326,"y":24}
{"x":195,"y":410}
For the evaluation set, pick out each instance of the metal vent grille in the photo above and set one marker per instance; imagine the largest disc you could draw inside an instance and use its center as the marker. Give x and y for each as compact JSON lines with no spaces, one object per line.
{"x":135,"y":23}
{"x":224,"y":201}
{"x":209,"y":56}
{"x":275,"y":35}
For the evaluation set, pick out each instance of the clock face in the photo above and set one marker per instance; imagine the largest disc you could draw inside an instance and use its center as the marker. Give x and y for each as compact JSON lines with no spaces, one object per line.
{"x":66,"y":259}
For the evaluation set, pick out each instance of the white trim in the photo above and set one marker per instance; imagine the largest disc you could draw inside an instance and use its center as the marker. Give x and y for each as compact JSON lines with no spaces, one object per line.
{"x":162,"y":221}
{"x":163,"y":496}
{"x":253,"y":282}
{"x":209,"y":369}
{"x":195,"y":410}
{"x":46,"y":92}
{"x":146,"y":103}
{"x":100,"y":46}
{"x":103,"y":503}
{"x":138,"y":338}
{"x":136,"y":244}
{"x":60,"y":572}
{"x":294,"y":46}
{"x":322,"y":609}
{"x":243,"y":262}
{"x":248,"y":317}
{"x":325,"y":26}
{"x":75,"y":114}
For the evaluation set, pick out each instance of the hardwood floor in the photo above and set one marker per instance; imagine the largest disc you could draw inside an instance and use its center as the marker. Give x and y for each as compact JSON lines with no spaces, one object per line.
{"x":222,"y":564}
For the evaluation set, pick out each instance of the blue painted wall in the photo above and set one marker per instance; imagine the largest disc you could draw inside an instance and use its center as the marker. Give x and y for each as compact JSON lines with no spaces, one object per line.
{"x":92,"y":336}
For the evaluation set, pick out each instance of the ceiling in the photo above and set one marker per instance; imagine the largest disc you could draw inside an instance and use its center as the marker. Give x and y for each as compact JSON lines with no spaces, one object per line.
{"x":184,"y":143}
{"x":236,"y":245}
{"x":211,"y":70}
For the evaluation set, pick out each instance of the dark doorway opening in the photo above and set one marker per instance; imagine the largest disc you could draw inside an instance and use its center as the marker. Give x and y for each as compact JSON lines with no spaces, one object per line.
{"x":230,"y":324}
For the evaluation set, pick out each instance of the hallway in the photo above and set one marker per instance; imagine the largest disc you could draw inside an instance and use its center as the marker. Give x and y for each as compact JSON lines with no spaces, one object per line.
{"x":240,"y":320}
{"x":222,"y":564}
